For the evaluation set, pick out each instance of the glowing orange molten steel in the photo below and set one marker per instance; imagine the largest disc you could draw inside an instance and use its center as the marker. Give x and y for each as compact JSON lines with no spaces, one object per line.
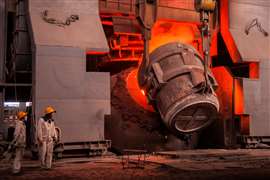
{"x":165,"y":32}
{"x":137,"y":94}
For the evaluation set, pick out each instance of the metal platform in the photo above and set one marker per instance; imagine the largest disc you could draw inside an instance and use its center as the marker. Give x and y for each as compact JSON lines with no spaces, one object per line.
{"x":77,"y":149}
{"x":255,"y":141}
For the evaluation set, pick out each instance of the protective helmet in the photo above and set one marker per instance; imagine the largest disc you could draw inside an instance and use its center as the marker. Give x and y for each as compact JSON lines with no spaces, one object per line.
{"x":21,"y":114}
{"x":49,"y":110}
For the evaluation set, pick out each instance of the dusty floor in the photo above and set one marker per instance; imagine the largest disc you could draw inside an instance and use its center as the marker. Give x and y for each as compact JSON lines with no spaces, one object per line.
{"x":196,"y":164}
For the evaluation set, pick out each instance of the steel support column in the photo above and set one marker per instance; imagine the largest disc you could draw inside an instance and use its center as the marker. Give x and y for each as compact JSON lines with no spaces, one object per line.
{"x":3,"y":27}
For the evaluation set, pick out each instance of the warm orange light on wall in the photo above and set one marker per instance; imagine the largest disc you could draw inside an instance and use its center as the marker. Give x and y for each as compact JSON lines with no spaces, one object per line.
{"x":165,"y":32}
{"x":96,"y":53}
{"x":238,"y":97}
{"x":225,"y":32}
{"x":225,"y":90}
{"x":245,"y":124}
{"x":214,"y":44}
{"x":254,"y":70}
{"x":137,"y":94}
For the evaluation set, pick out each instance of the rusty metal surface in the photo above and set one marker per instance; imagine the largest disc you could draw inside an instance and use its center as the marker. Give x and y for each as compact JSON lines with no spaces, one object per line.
{"x":181,"y":4}
{"x":176,"y":87}
{"x":117,"y":6}
{"x":182,"y":10}
{"x":125,"y":25}
{"x":178,"y":14}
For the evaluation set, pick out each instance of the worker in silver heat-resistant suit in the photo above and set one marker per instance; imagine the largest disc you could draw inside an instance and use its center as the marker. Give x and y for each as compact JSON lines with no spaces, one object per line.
{"x":19,"y":141}
{"x":46,"y":135}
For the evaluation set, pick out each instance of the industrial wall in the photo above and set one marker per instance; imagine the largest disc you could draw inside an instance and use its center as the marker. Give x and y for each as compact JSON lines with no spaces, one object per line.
{"x":59,"y":68}
{"x":248,"y":25}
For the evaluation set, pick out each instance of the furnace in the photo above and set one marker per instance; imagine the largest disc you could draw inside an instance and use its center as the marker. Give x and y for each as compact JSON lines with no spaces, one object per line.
{"x":139,"y":74}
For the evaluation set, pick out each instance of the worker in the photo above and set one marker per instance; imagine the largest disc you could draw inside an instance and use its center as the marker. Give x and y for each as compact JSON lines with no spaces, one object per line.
{"x":19,"y":141}
{"x":46,"y":135}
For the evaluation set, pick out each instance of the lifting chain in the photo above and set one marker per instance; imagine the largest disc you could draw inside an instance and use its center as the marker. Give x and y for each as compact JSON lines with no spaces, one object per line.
{"x":67,"y":22}
{"x":205,"y":7}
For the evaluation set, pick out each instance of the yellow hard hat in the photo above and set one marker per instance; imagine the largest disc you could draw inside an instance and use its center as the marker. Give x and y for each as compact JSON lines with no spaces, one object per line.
{"x":21,"y":114}
{"x":49,"y":110}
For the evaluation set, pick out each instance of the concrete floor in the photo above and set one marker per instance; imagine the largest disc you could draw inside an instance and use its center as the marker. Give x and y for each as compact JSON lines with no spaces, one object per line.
{"x":189,"y":164}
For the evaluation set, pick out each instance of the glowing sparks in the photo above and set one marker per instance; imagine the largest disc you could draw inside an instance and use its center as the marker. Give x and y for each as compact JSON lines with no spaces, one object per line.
{"x":142,"y":91}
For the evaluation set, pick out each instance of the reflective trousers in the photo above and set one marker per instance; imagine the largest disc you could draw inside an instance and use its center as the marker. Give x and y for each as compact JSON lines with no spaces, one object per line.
{"x":46,"y":154}
{"x":17,"y":160}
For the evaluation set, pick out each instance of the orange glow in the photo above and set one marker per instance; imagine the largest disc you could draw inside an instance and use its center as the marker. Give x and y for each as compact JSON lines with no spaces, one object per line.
{"x":230,"y":95}
{"x":254,"y":70}
{"x":126,"y":47}
{"x":165,"y":32}
{"x":238,"y":97}
{"x":244,"y":124}
{"x":135,"y":59}
{"x":225,"y":32}
{"x":214,"y":44}
{"x":137,"y":94}
{"x":225,"y":90}
{"x":96,"y":53}
{"x":108,"y":23}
